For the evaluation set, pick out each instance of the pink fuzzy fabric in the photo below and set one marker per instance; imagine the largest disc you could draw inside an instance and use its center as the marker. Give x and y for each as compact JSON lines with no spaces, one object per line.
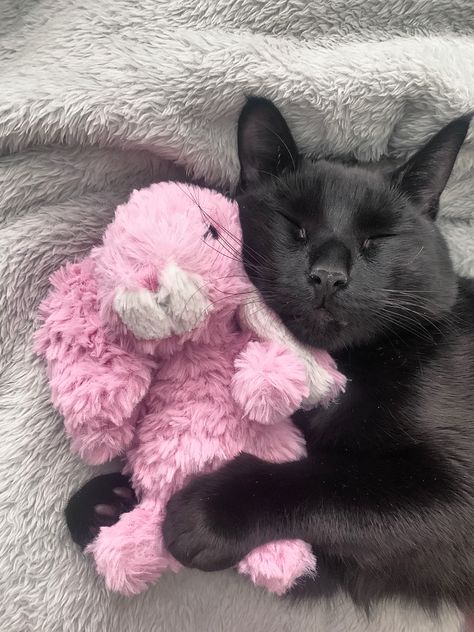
{"x":177,"y":405}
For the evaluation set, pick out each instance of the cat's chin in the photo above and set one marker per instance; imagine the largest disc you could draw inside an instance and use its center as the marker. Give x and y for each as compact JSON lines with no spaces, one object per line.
{"x":318,"y":328}
{"x":324,"y":318}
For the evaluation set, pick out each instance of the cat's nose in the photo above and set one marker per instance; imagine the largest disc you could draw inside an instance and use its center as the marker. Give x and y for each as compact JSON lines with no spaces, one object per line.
{"x":328,"y":281}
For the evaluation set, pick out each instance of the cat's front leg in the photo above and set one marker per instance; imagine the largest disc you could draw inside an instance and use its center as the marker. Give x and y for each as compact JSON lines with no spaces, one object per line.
{"x":216,"y":520}
{"x":375,"y":510}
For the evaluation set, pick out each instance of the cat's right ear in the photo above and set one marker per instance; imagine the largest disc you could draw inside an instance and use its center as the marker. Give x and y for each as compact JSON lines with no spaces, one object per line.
{"x":425,"y":175}
{"x":265,"y":144}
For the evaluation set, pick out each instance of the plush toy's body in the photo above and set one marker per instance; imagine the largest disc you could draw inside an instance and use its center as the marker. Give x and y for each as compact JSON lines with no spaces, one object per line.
{"x":147,"y":360}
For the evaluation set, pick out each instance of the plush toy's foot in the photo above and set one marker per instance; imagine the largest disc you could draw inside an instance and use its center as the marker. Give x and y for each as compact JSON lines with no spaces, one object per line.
{"x":277,"y":566}
{"x":131,"y":554}
{"x":99,"y":503}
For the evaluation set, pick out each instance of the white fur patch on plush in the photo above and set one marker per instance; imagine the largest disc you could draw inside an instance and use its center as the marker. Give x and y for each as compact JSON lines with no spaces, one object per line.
{"x":179,"y":305}
{"x":142,"y":314}
{"x":186,"y":300}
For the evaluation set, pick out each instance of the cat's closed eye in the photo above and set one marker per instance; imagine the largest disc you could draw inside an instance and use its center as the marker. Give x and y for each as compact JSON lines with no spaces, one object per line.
{"x":300,"y":234}
{"x":369,"y":242}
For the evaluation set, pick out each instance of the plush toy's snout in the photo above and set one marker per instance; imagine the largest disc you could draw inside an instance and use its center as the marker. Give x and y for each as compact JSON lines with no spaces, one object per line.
{"x":179,"y":306}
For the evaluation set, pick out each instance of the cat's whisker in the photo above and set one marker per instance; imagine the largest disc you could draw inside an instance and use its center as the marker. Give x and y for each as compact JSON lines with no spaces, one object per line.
{"x":416,"y":256}
{"x":411,"y":324}
{"x":410,"y":307}
{"x":219,"y":252}
{"x":285,"y":145}
{"x":257,"y":257}
{"x":259,"y":262}
{"x":409,"y":315}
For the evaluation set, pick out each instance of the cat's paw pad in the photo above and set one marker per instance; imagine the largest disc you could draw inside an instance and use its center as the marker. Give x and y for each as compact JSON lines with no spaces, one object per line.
{"x":99,"y":503}
{"x":122,"y":500}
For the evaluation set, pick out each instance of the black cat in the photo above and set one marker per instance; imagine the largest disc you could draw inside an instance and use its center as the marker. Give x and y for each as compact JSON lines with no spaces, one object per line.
{"x":352,"y":261}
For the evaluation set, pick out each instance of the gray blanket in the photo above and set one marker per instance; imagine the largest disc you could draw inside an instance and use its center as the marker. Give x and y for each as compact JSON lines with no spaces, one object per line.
{"x":99,"y":97}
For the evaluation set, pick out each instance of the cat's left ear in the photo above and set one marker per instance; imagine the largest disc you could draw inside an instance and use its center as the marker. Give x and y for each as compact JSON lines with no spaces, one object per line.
{"x":265,"y":144}
{"x":424,"y":176}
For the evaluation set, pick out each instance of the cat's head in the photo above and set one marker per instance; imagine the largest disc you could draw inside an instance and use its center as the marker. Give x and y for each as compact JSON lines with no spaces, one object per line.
{"x":344,"y":253}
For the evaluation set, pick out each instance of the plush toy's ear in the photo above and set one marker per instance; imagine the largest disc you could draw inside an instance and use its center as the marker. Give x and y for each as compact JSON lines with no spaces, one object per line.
{"x":425,"y":175}
{"x":265,"y":144}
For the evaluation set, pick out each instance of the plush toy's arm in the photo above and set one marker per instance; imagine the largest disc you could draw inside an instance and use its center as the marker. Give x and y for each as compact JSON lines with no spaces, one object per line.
{"x":95,"y":383}
{"x":270,"y":381}
{"x":323,"y":380}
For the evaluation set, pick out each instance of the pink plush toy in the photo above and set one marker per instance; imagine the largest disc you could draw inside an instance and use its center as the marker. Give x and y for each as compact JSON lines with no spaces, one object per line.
{"x":147,"y":360}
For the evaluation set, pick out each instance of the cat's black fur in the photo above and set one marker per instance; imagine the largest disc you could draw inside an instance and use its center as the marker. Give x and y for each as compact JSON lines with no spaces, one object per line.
{"x":352,"y":261}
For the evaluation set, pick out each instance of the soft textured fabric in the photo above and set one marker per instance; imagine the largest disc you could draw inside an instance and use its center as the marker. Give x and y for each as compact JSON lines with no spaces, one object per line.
{"x":147,"y":361}
{"x":95,"y":97}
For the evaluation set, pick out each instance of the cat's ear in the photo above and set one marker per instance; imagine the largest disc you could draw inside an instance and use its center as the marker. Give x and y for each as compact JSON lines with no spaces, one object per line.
{"x":266,"y":146}
{"x":424,"y":176}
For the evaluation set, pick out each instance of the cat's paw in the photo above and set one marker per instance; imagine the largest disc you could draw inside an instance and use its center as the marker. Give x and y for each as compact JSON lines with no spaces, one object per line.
{"x":99,"y":503}
{"x":192,"y":531}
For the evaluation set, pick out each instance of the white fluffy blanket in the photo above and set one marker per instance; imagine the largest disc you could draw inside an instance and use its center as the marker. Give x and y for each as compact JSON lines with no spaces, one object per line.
{"x":98,"y":97}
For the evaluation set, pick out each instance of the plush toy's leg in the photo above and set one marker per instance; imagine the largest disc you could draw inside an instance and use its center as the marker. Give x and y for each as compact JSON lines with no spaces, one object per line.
{"x":269,"y":382}
{"x":131,"y":554}
{"x":278,"y":565}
